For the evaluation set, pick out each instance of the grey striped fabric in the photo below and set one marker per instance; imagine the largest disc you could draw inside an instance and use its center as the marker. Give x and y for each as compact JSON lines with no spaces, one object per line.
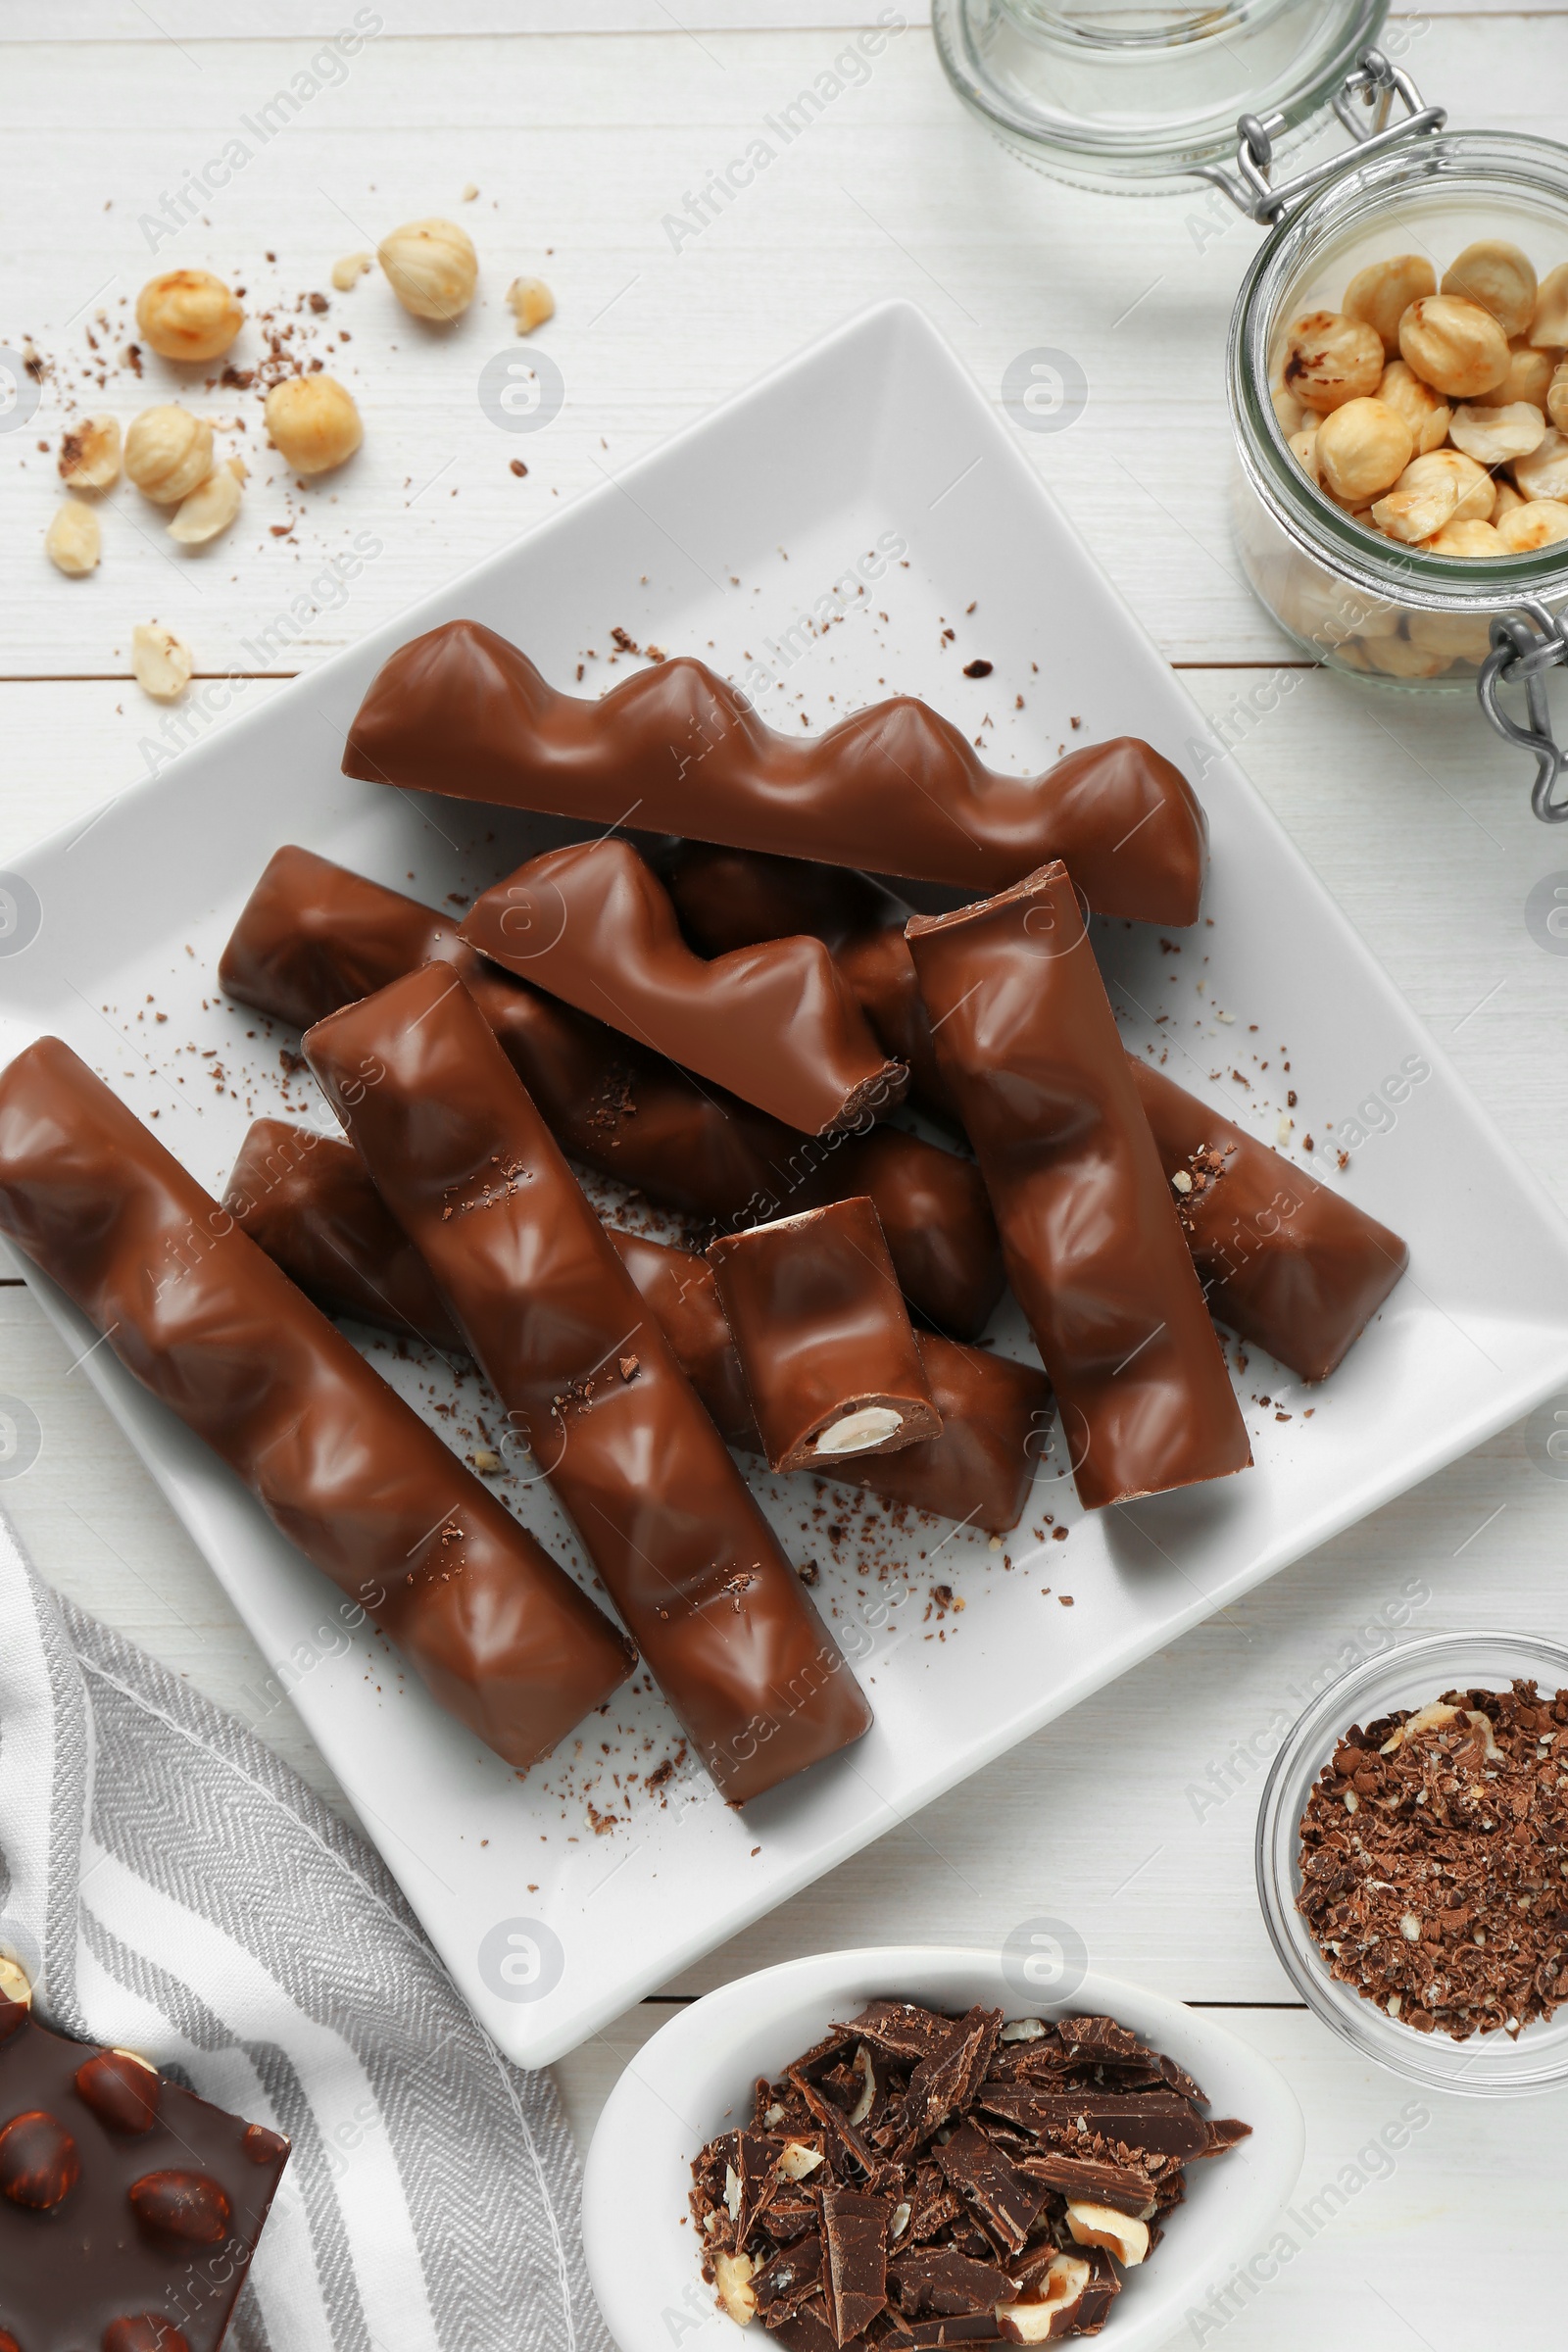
{"x":173,"y":1889}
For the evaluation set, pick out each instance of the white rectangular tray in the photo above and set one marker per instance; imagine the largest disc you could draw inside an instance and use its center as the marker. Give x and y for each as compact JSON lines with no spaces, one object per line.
{"x":814,"y":538}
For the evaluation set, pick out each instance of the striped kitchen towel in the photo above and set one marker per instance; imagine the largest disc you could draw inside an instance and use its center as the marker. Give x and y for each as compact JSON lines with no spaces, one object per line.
{"x":171,"y":1887}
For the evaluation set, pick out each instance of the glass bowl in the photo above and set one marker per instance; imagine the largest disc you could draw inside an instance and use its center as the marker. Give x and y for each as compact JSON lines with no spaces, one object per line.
{"x":1487,"y":2065}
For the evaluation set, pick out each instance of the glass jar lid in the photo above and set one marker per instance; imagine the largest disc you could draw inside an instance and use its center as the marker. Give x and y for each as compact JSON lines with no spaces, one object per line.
{"x":1123,"y":95}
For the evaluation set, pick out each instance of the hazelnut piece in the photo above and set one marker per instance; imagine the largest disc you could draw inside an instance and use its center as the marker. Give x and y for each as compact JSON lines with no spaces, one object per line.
{"x":190,"y":2206}
{"x":532,"y":303}
{"x":124,"y":2092}
{"x":72,"y":542}
{"x":1544,"y":473}
{"x":1103,"y":2226}
{"x":263,"y":2146}
{"x":313,"y":423}
{"x":349,"y":270}
{"x":1454,"y":346}
{"x":89,"y":454}
{"x":39,"y":2166}
{"x":1052,"y":2309}
{"x":188,"y":315}
{"x":1491,"y":435}
{"x":732,"y":2276}
{"x":432,"y":268}
{"x":168,"y":452}
{"x":209,"y":509}
{"x":160,"y":661}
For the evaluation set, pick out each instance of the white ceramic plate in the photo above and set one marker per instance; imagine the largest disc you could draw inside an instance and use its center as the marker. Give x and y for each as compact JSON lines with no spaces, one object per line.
{"x":696,"y":2074}
{"x":814,"y":538}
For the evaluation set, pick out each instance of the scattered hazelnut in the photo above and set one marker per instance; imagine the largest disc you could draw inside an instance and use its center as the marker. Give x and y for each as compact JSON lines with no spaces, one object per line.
{"x":1331,"y":358}
{"x":1103,"y":2226}
{"x":1453,"y":345}
{"x":313,"y":423}
{"x":1537,"y":523}
{"x":188,"y":315}
{"x":168,"y":452}
{"x":1381,"y":294}
{"x":1493,"y":435}
{"x":1544,"y":473}
{"x":209,"y":509}
{"x":1549,"y":330}
{"x":89,"y":454}
{"x":1423,"y":411}
{"x":349,"y":270}
{"x":732,"y":2276}
{"x":432,"y":268}
{"x":1363,"y":448}
{"x":1498,"y":278}
{"x":532,"y":303}
{"x":160,"y":661}
{"x":74,"y":541}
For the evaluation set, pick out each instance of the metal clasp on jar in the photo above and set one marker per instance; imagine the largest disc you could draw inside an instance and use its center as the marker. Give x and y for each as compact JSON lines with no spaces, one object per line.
{"x":1372,"y":86}
{"x":1525,"y":645}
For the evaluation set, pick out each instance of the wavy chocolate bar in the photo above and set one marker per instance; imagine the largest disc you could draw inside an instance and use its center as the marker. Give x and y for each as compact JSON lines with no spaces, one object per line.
{"x":775,"y":1024}
{"x":1029,"y":1047}
{"x":587,"y":1380}
{"x":676,"y":749}
{"x":345,"y":1469}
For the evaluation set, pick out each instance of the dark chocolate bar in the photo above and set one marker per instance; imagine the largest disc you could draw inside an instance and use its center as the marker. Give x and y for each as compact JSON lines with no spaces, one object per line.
{"x":824,"y":1339}
{"x":1028,"y":1041}
{"x":129,"y":2207}
{"x":313,"y":937}
{"x":775,"y":1024}
{"x":896,"y":789}
{"x":341,"y":1465}
{"x":588,"y":1381}
{"x":1284,"y":1261}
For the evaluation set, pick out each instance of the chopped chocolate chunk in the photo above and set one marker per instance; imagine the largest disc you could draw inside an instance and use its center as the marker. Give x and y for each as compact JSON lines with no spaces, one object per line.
{"x":933,"y":2282}
{"x":783,"y":2284}
{"x":944,"y":2081}
{"x":855,"y":2229}
{"x":1081,"y":2177}
{"x":1005,"y":2199}
{"x":1155,"y":2125}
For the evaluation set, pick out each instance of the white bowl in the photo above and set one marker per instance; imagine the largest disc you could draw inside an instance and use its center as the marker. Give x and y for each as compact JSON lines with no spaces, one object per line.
{"x":695,"y":2079}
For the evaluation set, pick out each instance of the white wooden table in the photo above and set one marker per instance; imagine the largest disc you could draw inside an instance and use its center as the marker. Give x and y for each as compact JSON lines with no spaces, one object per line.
{"x":582,"y":132}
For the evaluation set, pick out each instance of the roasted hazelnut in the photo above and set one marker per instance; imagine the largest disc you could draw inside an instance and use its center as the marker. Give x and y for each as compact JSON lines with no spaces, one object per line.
{"x":1427,"y":415}
{"x":532,"y":303}
{"x":1466,"y":539}
{"x":122,"y":2091}
{"x":431,"y":266}
{"x":1453,"y":345}
{"x":74,"y":541}
{"x":188,"y":315}
{"x":39,"y":2165}
{"x":732,"y":2276}
{"x":1544,"y":473}
{"x":1548,"y":328}
{"x":1493,"y":435}
{"x":1557,"y":398}
{"x":1507,"y":496}
{"x":190,"y":2206}
{"x":1331,"y":358}
{"x":1103,"y":2226}
{"x":1381,"y":294}
{"x":1304,"y":449}
{"x":160,"y":661}
{"x":1528,"y":375}
{"x":263,"y":2146}
{"x":1424,"y":497}
{"x":1498,"y":278}
{"x":209,"y":509}
{"x":313,"y":423}
{"x":89,"y":454}
{"x":168,"y":452}
{"x":1363,"y":448}
{"x":1537,"y":523}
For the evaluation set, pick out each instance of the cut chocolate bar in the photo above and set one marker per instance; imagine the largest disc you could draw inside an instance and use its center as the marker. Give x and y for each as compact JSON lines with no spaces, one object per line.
{"x":129,"y":2207}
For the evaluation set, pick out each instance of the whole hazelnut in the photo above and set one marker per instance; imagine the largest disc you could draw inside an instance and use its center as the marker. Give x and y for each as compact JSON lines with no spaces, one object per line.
{"x":1455,"y":345}
{"x":89,"y":454}
{"x":1331,"y":358}
{"x":74,"y":541}
{"x":1498,"y":278}
{"x":1362,"y":449}
{"x":1381,"y":294}
{"x":313,"y":423}
{"x":168,"y":452}
{"x":191,"y":2206}
{"x":39,"y":2164}
{"x":188,"y":315}
{"x":432,"y":268}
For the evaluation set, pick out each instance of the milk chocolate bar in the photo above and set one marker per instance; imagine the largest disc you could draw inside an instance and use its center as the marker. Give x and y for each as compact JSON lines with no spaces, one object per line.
{"x":1285,"y":1261}
{"x":315,"y":936}
{"x":775,"y":1024}
{"x":129,"y":2207}
{"x":345,"y":1469}
{"x":680,"y":1286}
{"x":1028,"y":1043}
{"x":588,"y":1381}
{"x":824,"y":1339}
{"x":896,"y":789}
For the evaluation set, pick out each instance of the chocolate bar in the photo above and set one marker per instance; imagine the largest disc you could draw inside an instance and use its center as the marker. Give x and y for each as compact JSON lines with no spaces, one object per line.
{"x":588,"y":1381}
{"x":129,"y":2207}
{"x":680,"y":1286}
{"x":1284,"y":1261}
{"x":306,"y":1199}
{"x":315,"y":936}
{"x":1028,"y":1043}
{"x":929,"y":2221}
{"x":896,"y":787}
{"x":823,"y":1337}
{"x":775,"y":1024}
{"x":348,"y":1472}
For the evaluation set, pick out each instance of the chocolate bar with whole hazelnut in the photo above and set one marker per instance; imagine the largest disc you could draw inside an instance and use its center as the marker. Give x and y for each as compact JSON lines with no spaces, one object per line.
{"x":313,"y":937}
{"x":1286,"y":1263}
{"x":875,"y":2197}
{"x":344,"y":1469}
{"x":1029,"y":1047}
{"x":895,"y":788}
{"x":129,"y":2207}
{"x":826,"y":1349}
{"x":775,"y":1024}
{"x":587,"y":1380}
